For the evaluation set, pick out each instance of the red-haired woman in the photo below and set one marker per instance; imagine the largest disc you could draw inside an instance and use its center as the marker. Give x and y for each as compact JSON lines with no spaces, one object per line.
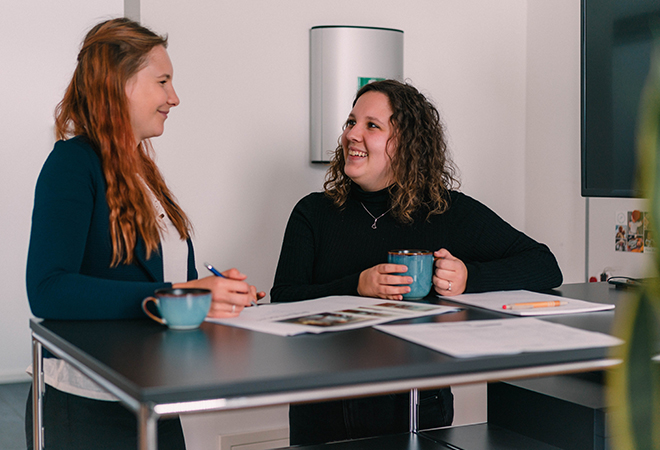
{"x":106,"y":230}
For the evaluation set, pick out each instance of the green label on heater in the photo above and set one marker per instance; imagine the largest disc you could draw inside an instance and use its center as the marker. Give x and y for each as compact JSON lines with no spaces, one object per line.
{"x":366,"y":80}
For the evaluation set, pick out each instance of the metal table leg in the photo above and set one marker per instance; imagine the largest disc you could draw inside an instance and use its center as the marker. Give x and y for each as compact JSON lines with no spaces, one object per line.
{"x":147,"y":428}
{"x":37,"y":394}
{"x":414,"y":411}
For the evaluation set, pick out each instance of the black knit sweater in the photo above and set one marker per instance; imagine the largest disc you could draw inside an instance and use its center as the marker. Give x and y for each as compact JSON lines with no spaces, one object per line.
{"x":326,"y":248}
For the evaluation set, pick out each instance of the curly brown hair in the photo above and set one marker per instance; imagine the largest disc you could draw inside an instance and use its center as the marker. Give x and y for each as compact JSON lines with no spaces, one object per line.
{"x":95,"y":106}
{"x":422,"y":169}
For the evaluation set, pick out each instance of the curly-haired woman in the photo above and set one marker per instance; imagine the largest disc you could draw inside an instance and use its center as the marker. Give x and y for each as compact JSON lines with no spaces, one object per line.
{"x":391,"y":185}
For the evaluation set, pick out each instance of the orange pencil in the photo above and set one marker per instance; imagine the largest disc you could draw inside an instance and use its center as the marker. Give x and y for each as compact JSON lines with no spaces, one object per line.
{"x":530,"y":305}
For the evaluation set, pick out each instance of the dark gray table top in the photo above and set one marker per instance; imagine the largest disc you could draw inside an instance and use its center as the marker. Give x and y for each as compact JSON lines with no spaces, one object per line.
{"x":154,"y":364}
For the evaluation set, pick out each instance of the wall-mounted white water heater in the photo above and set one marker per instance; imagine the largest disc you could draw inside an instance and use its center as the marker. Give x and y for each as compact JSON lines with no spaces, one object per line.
{"x":343,"y":59}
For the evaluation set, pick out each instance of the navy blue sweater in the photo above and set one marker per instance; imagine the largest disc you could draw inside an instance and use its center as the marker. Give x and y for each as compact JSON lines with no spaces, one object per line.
{"x":68,"y":267}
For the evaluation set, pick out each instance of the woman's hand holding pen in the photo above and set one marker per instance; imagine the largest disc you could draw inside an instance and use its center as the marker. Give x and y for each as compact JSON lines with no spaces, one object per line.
{"x":230,"y":293}
{"x":450,"y":274}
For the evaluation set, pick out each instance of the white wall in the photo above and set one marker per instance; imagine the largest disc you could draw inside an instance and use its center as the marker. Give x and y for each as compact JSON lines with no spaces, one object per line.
{"x":236,"y":150}
{"x":554,"y":209}
{"x":39,"y":41}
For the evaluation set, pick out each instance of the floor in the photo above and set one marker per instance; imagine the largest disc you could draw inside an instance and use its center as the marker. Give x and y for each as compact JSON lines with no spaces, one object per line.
{"x":12,"y":413}
{"x":12,"y":410}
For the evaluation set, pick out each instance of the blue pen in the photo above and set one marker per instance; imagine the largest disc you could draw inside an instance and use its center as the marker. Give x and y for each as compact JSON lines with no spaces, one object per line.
{"x":215,"y":272}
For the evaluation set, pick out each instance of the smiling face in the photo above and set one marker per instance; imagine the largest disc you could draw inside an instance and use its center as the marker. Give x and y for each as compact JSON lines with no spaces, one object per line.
{"x":366,"y":142}
{"x":151,"y":95}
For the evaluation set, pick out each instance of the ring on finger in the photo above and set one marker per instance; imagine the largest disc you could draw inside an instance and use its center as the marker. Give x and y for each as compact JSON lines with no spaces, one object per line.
{"x":449,"y":287}
{"x":233,"y":308}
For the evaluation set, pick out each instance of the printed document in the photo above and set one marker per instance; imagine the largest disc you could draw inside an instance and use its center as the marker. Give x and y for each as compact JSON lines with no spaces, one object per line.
{"x":495,"y":301}
{"x":498,"y":337}
{"x":327,"y":314}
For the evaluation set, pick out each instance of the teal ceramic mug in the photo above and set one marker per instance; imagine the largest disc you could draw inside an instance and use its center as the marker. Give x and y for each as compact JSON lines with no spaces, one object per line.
{"x":180,"y":309}
{"x":420,"y":268}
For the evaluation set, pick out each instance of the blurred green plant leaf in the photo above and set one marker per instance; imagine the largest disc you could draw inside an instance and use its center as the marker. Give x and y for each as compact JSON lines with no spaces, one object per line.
{"x":634,"y":386}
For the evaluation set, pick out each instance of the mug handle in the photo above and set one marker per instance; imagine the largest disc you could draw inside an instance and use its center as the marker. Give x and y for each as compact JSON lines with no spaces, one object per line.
{"x":149,"y":313}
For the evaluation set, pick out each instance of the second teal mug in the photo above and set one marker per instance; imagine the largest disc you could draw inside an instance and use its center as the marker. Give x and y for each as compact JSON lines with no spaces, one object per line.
{"x":420,"y":268}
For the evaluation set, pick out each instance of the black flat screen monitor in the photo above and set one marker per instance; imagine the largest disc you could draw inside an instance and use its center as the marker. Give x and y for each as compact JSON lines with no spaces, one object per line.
{"x":617,"y":38}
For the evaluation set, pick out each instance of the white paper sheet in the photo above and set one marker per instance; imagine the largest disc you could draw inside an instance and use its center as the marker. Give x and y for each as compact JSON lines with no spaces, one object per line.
{"x":498,"y":337}
{"x":494,"y":301}
{"x":327,"y":314}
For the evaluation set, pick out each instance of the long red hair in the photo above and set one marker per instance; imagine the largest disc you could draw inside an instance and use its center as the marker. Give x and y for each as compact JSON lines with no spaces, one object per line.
{"x":95,"y":106}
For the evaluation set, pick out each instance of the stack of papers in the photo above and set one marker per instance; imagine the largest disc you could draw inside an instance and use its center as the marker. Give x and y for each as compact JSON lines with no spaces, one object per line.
{"x":327,"y":314}
{"x":498,"y":337}
{"x":495,"y":301}
{"x":462,"y":339}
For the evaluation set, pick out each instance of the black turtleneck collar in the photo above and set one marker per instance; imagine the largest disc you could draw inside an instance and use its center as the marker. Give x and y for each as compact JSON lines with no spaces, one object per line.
{"x":376,"y":199}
